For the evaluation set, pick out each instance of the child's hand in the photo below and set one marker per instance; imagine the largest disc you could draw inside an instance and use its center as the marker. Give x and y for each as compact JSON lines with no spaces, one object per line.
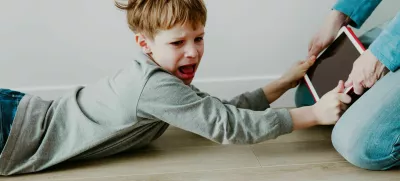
{"x":292,"y":77}
{"x":330,"y":107}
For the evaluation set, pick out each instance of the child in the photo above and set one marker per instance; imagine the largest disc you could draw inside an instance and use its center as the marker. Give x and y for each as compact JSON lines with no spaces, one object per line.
{"x":136,"y":105}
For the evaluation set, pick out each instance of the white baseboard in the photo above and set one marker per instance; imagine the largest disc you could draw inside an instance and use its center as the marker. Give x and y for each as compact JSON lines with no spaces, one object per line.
{"x":223,"y":88}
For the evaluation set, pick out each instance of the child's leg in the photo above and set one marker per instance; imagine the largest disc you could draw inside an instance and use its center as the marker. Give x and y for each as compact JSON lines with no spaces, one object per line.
{"x":9,"y":101}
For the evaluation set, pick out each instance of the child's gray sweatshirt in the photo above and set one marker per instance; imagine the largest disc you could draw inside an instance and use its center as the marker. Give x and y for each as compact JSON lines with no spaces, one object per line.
{"x":127,"y":111}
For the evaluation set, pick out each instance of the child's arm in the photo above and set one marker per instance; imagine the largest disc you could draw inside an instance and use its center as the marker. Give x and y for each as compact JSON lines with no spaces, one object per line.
{"x":254,"y":100}
{"x":166,"y":98}
{"x":326,"y":111}
{"x":260,"y":99}
{"x":275,"y":89}
{"x":288,"y":80}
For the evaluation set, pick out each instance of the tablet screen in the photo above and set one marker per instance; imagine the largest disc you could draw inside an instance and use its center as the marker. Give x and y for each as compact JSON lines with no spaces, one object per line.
{"x":334,"y":64}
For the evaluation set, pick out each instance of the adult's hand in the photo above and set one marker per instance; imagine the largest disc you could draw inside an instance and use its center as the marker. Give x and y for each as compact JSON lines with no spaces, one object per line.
{"x":367,"y":70}
{"x":325,"y":36}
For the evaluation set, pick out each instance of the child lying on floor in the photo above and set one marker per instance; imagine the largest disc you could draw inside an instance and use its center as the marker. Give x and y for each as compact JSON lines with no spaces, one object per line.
{"x":135,"y":106}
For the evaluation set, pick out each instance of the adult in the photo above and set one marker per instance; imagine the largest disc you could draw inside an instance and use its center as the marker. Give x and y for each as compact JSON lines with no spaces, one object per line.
{"x":368,"y":133}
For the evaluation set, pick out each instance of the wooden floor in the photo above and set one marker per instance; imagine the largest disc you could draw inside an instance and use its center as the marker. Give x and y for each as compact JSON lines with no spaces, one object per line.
{"x":179,"y":155}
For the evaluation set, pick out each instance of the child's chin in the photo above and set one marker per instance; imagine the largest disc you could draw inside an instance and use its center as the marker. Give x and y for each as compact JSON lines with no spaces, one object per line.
{"x":187,"y":81}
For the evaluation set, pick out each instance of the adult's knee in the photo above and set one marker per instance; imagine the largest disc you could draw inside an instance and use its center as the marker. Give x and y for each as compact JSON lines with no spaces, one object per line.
{"x":368,"y":133}
{"x":368,"y":148}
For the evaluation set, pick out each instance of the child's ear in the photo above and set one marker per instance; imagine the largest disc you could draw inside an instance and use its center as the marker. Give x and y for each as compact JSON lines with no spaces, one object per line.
{"x":142,"y":41}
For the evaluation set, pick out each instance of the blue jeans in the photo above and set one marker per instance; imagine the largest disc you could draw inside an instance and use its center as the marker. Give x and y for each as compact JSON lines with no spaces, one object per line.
{"x":9,"y":101}
{"x":368,"y":133}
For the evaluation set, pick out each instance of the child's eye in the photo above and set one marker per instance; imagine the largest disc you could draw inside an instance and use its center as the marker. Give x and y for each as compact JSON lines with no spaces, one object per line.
{"x":198,"y":39}
{"x":177,"y":43}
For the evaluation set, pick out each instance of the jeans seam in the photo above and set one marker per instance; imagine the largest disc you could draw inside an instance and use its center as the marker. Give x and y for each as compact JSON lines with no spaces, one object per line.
{"x":394,"y":151}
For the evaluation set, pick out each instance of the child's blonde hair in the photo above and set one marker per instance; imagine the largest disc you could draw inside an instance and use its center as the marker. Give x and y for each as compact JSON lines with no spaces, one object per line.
{"x":149,"y":16}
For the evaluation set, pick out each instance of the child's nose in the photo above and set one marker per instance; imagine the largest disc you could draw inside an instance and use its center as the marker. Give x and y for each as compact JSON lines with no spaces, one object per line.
{"x":191,"y":51}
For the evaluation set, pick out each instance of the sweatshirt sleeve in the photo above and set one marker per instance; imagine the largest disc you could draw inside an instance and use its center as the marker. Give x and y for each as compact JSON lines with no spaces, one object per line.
{"x":254,"y":100}
{"x":386,"y":46}
{"x":166,"y":98}
{"x":357,"y":10}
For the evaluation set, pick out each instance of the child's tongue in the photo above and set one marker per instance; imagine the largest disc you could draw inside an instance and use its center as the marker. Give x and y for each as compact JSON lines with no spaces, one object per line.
{"x":187,"y":69}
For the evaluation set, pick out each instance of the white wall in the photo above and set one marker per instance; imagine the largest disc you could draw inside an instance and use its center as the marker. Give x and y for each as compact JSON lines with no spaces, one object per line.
{"x":47,"y":46}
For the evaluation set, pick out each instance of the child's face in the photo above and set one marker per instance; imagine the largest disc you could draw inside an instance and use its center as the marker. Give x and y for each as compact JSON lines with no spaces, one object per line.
{"x":177,"y":50}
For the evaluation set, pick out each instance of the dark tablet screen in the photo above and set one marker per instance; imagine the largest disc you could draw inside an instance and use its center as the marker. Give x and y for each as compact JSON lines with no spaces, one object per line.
{"x":334,"y":64}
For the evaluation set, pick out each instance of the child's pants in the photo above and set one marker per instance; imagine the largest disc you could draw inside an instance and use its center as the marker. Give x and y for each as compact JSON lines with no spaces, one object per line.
{"x":9,"y":101}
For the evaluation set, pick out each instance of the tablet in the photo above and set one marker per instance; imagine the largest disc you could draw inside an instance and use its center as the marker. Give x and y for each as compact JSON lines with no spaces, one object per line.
{"x":333,"y":64}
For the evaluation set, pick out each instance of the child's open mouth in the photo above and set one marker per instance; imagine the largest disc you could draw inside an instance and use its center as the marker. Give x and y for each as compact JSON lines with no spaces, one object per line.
{"x":187,"y":71}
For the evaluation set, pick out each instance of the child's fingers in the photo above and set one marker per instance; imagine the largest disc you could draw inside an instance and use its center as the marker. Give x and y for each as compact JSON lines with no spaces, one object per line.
{"x":340,"y":87}
{"x":311,"y":60}
{"x":348,"y":83}
{"x":344,"y":98}
{"x":308,"y":63}
{"x":315,"y":49}
{"x":310,"y":44}
{"x":343,"y":106}
{"x":301,"y":62}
